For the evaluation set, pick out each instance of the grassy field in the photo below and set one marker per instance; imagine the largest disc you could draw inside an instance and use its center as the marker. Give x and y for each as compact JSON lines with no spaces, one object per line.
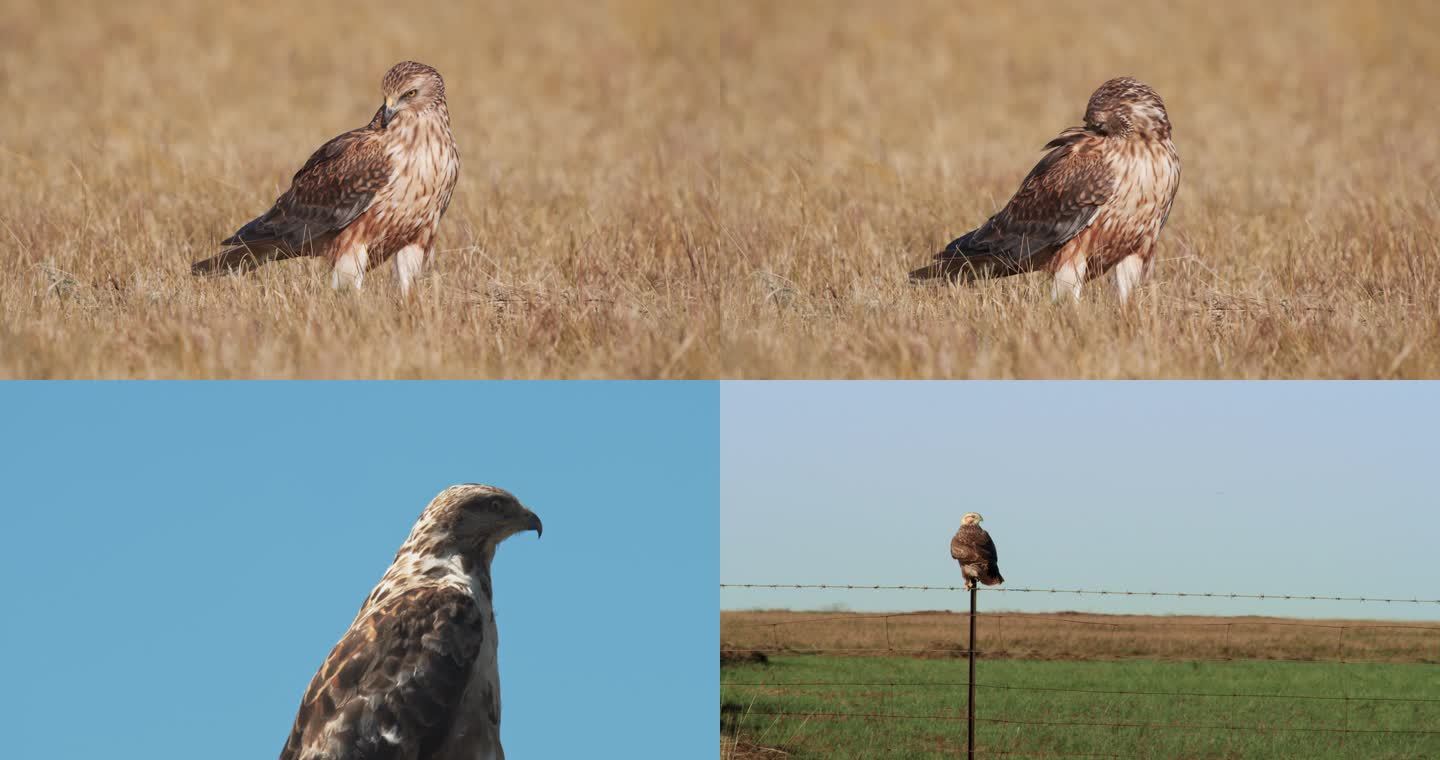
{"x":666,"y":189}
{"x":1082,"y":636}
{"x":837,"y":672}
{"x":937,"y":688}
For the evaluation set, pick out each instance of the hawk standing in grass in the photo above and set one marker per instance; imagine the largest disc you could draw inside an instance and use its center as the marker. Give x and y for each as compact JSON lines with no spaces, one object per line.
{"x":416,"y":676}
{"x":1095,"y":202}
{"x":975,"y":552}
{"x":368,"y":195}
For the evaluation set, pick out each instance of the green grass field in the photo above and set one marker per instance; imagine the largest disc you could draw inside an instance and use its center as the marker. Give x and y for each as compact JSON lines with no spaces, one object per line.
{"x":942,"y":693}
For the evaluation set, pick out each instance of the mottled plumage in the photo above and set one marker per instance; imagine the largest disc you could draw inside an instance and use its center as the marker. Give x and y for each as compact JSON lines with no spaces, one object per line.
{"x":1095,"y":202}
{"x":973,"y":549}
{"x":416,"y":676}
{"x":366,"y":196}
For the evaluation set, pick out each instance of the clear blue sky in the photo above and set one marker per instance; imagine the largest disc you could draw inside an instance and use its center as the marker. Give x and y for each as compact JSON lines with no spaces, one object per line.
{"x":181,"y":557}
{"x":1301,"y":488}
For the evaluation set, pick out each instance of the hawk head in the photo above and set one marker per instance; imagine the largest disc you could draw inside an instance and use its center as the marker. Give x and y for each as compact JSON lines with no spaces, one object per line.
{"x":468,"y":518}
{"x":410,"y":88}
{"x":971,"y":518}
{"x":1124,"y":106}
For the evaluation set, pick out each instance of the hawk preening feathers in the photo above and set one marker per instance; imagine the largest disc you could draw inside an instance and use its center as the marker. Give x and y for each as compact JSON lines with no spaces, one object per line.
{"x":975,"y":552}
{"x":416,"y":676}
{"x":367,"y":196}
{"x":1095,"y":202}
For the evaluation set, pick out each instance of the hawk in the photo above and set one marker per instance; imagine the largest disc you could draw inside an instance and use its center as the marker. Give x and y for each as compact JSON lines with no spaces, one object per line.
{"x":1095,"y":202}
{"x":366,"y":196}
{"x":416,"y":675}
{"x":975,"y":552}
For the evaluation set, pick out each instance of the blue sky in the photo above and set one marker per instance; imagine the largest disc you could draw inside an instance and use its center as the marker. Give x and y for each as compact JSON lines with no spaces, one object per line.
{"x":182,"y":556}
{"x":1301,"y":488}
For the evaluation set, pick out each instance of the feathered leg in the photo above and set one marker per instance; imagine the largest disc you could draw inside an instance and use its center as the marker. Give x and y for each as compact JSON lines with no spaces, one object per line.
{"x":1129,"y":273}
{"x":408,"y":263}
{"x":1069,"y":276}
{"x":349,"y":268}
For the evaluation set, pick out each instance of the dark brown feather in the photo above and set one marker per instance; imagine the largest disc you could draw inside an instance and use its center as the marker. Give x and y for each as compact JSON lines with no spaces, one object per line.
{"x":400,"y":671}
{"x":330,"y":191}
{"x":334,"y":187}
{"x":971,"y":545}
{"x":1056,"y":200}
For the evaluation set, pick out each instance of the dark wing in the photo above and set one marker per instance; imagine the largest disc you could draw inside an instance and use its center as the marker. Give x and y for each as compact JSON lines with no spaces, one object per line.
{"x":389,"y":690}
{"x":962,"y":546}
{"x":972,"y":544}
{"x":334,"y":187}
{"x":1058,"y":199}
{"x":986,"y":547}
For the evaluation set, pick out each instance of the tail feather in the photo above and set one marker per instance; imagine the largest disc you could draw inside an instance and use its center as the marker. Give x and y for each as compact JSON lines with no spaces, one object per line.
{"x":239,"y":259}
{"x":965,"y":268}
{"x":995,"y":578}
{"x":969,"y":258}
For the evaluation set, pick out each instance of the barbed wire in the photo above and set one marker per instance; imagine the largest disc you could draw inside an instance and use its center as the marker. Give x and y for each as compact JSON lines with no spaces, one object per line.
{"x":1094,"y":592}
{"x":1048,"y":617}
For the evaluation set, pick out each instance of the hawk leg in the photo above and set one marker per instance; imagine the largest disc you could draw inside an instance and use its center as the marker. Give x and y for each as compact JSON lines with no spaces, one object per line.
{"x":1128,"y":275}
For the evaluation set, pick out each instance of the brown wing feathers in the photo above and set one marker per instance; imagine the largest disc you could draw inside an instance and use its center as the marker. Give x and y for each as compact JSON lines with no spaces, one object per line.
{"x":1056,"y":200}
{"x":972,"y":545}
{"x":389,"y":689}
{"x":330,"y":191}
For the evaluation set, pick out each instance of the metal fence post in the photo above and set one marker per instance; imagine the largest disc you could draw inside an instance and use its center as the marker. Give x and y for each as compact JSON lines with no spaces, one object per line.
{"x":970,"y":703}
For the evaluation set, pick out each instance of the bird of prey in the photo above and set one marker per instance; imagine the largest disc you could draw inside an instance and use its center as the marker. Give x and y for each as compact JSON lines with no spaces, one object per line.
{"x":975,"y":552}
{"x":1095,"y":202}
{"x":366,"y":196}
{"x":416,"y":676}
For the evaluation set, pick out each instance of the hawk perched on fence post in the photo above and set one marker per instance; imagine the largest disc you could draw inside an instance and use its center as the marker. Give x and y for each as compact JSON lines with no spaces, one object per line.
{"x":368,"y":195}
{"x":416,"y":676}
{"x":975,"y":552}
{"x":1095,"y":202}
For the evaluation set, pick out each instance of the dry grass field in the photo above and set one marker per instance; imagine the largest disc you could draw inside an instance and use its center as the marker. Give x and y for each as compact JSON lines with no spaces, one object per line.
{"x":719,"y":189}
{"x":1080,"y":636}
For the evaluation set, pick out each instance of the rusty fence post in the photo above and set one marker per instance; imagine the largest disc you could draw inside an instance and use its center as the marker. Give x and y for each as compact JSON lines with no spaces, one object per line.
{"x":970,"y":703}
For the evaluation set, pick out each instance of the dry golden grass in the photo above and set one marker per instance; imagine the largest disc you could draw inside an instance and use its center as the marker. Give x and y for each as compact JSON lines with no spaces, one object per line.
{"x":1080,"y":636}
{"x":708,"y":189}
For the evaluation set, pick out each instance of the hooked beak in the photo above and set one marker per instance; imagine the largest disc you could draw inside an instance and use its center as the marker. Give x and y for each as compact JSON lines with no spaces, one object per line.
{"x":534,"y":524}
{"x":387,"y":114}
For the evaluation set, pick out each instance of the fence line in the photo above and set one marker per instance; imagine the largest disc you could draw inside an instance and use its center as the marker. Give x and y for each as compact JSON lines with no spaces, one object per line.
{"x":1039,"y":617}
{"x":1341,"y":729}
{"x":1095,"y":592}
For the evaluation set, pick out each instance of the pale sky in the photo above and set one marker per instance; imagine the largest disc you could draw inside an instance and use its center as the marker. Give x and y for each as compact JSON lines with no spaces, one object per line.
{"x":1298,"y":488}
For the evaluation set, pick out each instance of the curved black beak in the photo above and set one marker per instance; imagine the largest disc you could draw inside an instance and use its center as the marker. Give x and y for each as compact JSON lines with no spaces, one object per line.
{"x":386,"y":114}
{"x":535,"y":525}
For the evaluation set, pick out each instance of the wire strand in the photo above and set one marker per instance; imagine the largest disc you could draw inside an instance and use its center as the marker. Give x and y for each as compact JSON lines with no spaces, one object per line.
{"x":1094,"y":592}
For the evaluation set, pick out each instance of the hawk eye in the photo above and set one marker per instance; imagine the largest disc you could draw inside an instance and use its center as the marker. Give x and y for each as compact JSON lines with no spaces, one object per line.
{"x":410,"y":94}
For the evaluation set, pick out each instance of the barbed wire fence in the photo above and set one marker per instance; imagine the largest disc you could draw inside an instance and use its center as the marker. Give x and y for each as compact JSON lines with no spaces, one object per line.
{"x":972,"y":650}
